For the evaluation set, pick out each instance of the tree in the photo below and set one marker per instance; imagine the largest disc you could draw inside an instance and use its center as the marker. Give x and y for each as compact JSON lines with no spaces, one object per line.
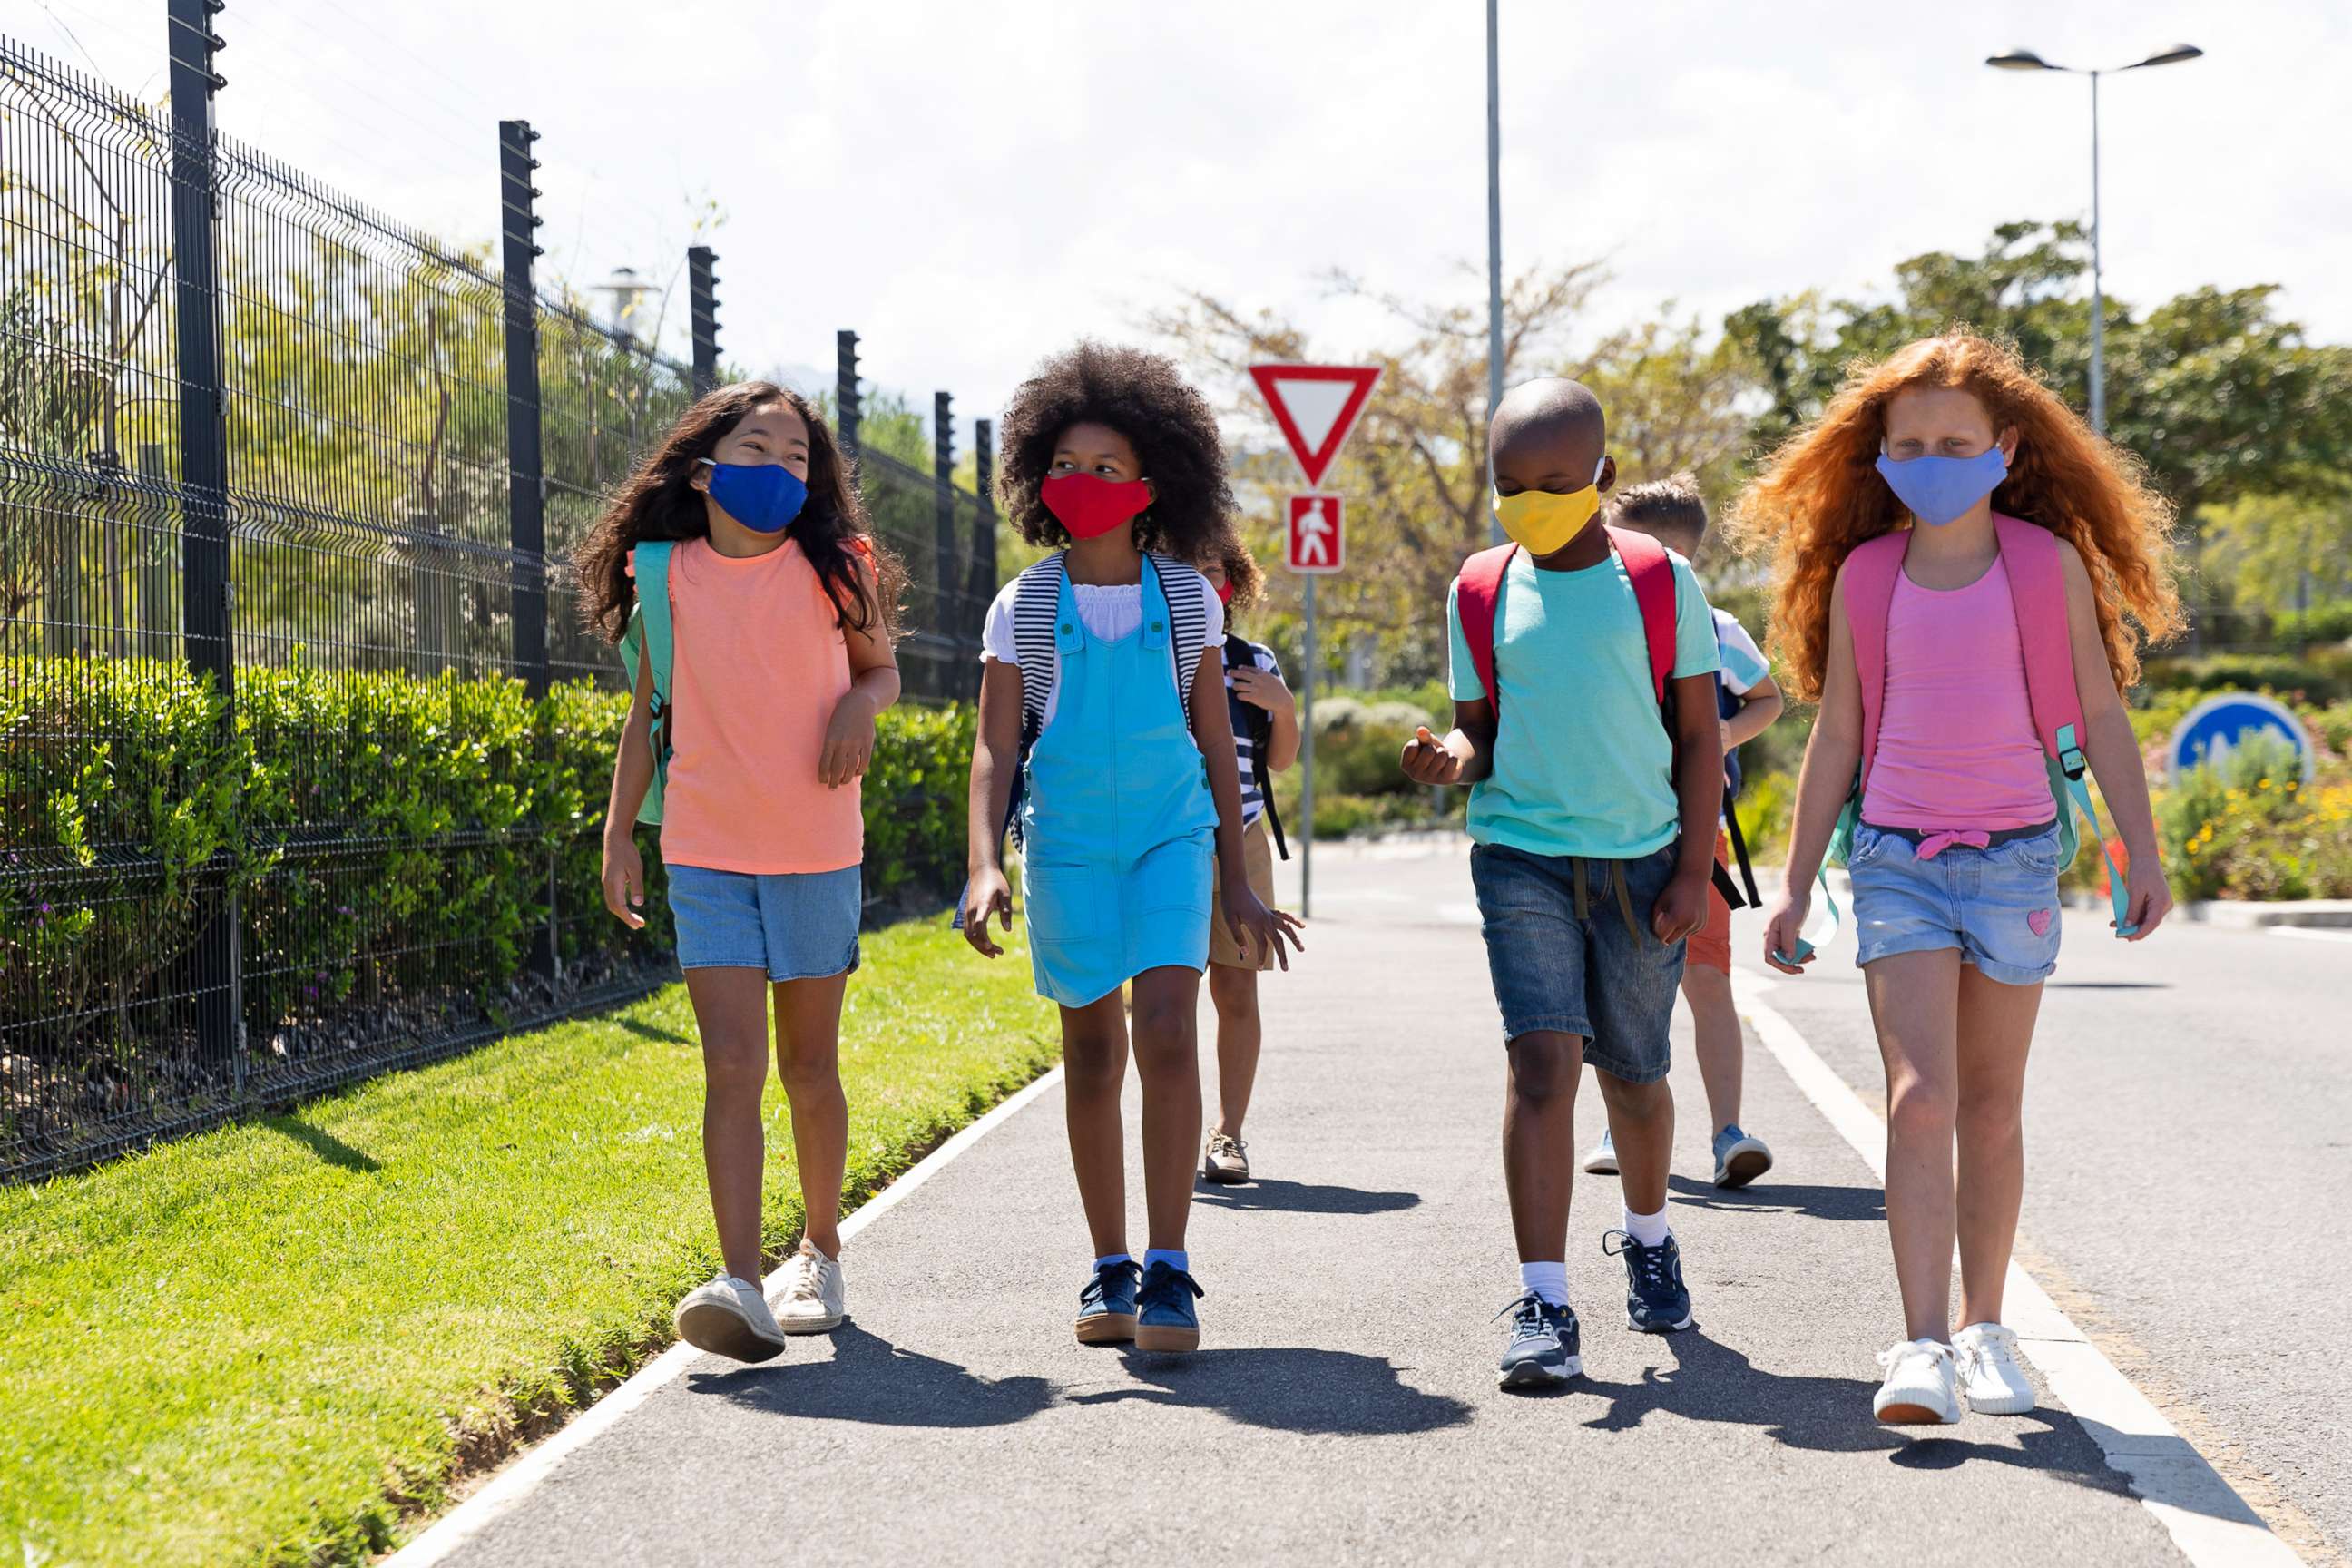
{"x":1414,"y":473}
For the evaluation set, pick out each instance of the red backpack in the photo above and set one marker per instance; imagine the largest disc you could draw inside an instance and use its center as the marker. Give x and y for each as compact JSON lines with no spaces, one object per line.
{"x":1478,"y":595}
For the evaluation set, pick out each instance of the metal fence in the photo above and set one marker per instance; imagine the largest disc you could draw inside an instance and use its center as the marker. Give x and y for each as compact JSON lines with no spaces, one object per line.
{"x":298,"y":745}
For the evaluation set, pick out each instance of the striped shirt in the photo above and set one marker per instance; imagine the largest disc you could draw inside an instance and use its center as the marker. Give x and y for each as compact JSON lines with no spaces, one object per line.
{"x":1245,"y":746}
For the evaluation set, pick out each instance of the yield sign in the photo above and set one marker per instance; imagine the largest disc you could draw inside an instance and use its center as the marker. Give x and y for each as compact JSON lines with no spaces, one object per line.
{"x":1316,"y":406}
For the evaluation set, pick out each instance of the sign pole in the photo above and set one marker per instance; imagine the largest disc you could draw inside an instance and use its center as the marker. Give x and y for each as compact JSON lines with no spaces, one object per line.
{"x":1306,"y":767}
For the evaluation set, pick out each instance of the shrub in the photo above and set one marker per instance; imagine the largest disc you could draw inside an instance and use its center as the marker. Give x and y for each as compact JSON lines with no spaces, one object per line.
{"x":1356,"y":744}
{"x":2247,"y":828}
{"x":2319,"y":675}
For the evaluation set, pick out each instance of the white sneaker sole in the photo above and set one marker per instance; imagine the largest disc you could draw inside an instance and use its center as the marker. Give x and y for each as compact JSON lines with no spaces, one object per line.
{"x":1600,"y":1165}
{"x":2002,"y":1403}
{"x":825,"y":1325}
{"x":1912,"y":1413}
{"x":1224,"y":1176}
{"x":1748,"y":1162}
{"x":723,"y":1331}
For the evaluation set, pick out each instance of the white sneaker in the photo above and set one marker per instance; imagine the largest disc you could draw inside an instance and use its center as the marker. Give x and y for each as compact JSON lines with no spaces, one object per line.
{"x":813,"y":1300}
{"x":728,"y":1318}
{"x":1600,"y":1160}
{"x":1988,"y":1373}
{"x":1919,"y":1389}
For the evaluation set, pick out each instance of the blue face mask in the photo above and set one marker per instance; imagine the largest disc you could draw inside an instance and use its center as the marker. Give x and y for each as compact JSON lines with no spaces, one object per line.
{"x":763,"y":496}
{"x":1939,"y":489}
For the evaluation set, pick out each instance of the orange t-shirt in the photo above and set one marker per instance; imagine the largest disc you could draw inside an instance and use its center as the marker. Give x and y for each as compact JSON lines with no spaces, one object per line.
{"x":758,"y":664}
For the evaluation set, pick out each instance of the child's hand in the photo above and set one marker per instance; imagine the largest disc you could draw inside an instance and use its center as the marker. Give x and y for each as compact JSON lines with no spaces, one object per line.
{"x":1429,"y":760}
{"x":624,"y":881}
{"x":1783,"y":928}
{"x":988,"y":894}
{"x":848,"y":741}
{"x":2146,"y":895}
{"x":1681,"y":910}
{"x":1251,"y":922}
{"x":1261,"y":689}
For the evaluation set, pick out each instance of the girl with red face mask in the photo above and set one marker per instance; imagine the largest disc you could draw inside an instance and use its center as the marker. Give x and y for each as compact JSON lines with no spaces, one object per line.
{"x":1101,"y":703}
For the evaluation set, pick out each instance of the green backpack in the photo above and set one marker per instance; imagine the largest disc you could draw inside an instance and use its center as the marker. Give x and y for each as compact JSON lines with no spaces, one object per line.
{"x":648,"y":633}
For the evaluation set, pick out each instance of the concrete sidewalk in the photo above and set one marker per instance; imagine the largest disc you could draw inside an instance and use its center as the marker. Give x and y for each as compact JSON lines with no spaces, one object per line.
{"x":1343,"y":1407}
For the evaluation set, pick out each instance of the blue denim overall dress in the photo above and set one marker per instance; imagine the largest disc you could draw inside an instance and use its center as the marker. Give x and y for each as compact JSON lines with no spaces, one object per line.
{"x":1119,"y":831}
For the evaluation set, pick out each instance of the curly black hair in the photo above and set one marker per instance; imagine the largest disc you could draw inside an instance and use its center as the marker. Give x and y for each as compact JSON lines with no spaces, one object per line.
{"x":1145,"y":398}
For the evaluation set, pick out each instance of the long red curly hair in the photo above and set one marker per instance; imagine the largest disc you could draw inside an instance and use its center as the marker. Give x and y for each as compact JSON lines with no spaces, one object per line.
{"x":1820,"y":495}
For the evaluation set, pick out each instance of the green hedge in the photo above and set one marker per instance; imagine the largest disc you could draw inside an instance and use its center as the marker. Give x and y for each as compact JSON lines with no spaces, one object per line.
{"x":396,"y":845}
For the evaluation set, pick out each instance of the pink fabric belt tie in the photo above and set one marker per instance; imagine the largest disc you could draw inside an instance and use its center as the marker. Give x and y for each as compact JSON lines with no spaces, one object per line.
{"x":1935,"y":844}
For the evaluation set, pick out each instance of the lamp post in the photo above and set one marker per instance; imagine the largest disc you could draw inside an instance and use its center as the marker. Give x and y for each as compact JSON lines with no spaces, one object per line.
{"x":2027,"y":60}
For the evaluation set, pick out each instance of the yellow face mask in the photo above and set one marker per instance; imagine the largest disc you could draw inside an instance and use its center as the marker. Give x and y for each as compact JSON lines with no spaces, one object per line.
{"x":1541,"y":523}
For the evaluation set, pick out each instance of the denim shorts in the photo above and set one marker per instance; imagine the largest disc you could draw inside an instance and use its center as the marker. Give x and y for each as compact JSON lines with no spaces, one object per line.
{"x":1594,"y":974}
{"x":1998,"y":906}
{"x":795,"y":925}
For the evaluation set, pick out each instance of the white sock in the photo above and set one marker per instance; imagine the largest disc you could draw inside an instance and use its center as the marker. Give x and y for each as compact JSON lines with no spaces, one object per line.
{"x":1649,"y":1229}
{"x":1547,"y":1280}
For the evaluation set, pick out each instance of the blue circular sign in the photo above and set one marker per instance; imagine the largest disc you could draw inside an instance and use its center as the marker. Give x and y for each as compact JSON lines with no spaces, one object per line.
{"x":2219,"y":725}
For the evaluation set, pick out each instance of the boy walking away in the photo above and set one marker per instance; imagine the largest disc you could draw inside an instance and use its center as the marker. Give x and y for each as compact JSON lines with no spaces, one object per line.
{"x":1265,"y":743}
{"x":1673,"y":512}
{"x":1583,"y":680}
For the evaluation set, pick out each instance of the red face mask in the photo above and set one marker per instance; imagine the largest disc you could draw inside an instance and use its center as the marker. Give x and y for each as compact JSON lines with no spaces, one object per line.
{"x":1088,"y":505}
{"x":1225,"y":592}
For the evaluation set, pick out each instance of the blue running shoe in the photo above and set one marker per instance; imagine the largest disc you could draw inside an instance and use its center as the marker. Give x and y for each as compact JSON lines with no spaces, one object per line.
{"x":1656,"y":1300}
{"x":1106,"y":1305}
{"x":1546,"y":1348}
{"x":1165,"y":1319}
{"x":1739,"y":1156}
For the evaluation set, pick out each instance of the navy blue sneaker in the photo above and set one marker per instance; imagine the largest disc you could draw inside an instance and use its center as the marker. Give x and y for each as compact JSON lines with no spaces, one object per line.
{"x":1656,"y":1300}
{"x":1545,"y":1349}
{"x":1106,"y":1305}
{"x":1165,"y":1319}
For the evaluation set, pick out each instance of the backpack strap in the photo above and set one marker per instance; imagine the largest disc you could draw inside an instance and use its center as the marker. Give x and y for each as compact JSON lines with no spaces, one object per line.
{"x":1651,"y":572}
{"x":1870,"y":569}
{"x":1187,"y":593}
{"x":1477,"y":599}
{"x":2036,"y":571}
{"x":1037,"y":600}
{"x":1241,"y":654}
{"x":650,"y":634}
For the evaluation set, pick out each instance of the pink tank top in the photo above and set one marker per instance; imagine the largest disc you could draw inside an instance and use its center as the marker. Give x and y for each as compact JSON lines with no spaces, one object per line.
{"x":757,"y":666}
{"x":1956,"y":743}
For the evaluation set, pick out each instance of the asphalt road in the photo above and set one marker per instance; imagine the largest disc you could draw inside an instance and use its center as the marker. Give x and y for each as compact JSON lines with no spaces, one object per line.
{"x":1343,"y":1406}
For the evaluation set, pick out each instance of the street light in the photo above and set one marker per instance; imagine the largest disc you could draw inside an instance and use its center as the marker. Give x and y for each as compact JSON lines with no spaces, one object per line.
{"x":2027,"y":60}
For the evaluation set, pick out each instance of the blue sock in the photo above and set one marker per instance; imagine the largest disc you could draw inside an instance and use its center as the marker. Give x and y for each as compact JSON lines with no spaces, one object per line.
{"x":1180,"y":1261}
{"x":1108,"y":1259}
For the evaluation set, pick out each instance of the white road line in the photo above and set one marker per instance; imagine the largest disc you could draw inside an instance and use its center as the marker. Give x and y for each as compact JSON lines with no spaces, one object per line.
{"x":2206,"y":1518}
{"x":519,"y":1480}
{"x":2310,"y":933}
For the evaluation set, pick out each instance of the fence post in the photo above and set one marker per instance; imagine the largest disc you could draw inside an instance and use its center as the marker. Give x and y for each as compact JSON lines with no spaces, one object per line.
{"x":702,"y":290}
{"x":207,"y":604}
{"x":983,"y":526}
{"x":526,"y":483}
{"x":944,"y":607}
{"x":847,"y":405}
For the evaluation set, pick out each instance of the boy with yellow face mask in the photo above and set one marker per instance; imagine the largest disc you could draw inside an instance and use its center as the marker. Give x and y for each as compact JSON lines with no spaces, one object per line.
{"x":1593,"y":826}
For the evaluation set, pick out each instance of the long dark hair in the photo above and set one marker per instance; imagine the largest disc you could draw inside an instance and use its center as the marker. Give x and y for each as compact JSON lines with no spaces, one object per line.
{"x":658,"y":501}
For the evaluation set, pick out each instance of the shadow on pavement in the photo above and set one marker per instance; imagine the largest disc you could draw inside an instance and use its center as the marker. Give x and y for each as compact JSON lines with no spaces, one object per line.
{"x":1712,"y":1381}
{"x":871,"y":1380}
{"x":1291,"y":1389}
{"x":1769,"y":1196}
{"x":2108,"y":984}
{"x":1300,"y":1198}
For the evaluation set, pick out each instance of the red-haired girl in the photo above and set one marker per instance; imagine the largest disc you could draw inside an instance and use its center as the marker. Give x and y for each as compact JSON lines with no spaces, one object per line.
{"x":1964,"y":570}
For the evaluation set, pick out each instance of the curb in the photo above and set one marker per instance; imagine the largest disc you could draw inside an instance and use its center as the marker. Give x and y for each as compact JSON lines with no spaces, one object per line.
{"x":2243,"y":914}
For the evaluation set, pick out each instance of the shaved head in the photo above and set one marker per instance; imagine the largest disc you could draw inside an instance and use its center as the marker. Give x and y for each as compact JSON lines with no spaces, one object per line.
{"x":1545,"y":431}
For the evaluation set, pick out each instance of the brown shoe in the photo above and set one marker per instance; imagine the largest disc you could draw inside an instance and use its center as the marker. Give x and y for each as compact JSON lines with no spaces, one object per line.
{"x":1226,"y":1161}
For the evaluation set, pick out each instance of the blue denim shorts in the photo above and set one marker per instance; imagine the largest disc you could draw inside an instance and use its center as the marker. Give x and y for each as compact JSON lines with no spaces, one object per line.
{"x":795,"y":925}
{"x":1594,"y":973}
{"x":1998,"y":906}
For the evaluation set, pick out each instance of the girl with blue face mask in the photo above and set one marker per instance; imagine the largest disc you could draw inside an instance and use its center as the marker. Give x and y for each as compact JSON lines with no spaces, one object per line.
{"x":1957,"y":556}
{"x":780,"y":611}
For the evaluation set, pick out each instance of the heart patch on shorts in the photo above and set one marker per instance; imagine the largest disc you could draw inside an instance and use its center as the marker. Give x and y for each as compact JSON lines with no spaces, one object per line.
{"x":2040,"y":921}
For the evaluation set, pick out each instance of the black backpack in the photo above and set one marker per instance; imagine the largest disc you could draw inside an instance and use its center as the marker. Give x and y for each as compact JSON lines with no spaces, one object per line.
{"x":1260,"y":725}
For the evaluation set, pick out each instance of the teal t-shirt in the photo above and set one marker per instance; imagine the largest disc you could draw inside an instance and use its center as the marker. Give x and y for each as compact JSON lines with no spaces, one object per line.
{"x":1582,"y":765}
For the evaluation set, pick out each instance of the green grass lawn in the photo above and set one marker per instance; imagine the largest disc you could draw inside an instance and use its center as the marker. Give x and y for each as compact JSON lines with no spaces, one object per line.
{"x":272,"y":1342}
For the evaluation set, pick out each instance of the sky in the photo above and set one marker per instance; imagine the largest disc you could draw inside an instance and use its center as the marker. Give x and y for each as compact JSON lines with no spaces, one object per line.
{"x":973,"y":186}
